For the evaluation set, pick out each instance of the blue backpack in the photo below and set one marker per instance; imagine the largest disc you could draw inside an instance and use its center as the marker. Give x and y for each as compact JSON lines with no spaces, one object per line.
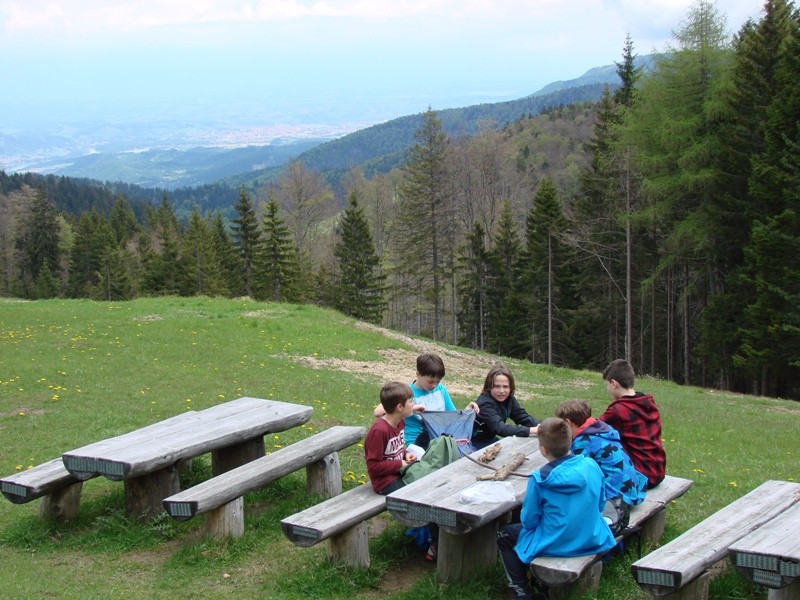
{"x":456,"y":424}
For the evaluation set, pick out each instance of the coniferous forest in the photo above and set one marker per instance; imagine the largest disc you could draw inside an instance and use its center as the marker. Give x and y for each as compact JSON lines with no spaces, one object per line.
{"x":659,"y":224}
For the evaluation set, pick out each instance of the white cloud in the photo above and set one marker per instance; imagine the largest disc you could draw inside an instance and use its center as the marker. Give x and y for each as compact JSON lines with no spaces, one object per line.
{"x":87,"y":16}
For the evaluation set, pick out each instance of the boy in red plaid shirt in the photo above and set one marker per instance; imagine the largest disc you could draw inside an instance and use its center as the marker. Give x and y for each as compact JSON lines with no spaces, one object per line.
{"x":635,"y":416}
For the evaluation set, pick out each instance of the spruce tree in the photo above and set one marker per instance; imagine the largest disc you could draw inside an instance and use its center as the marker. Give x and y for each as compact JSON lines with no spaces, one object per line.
{"x":426,"y":216}
{"x":474,"y":269}
{"x":246,"y":239}
{"x":38,"y":245}
{"x":201,"y":265}
{"x":360,"y":283}
{"x":93,"y":239}
{"x":277,"y":269}
{"x":162,"y":272}
{"x":757,"y":84}
{"x":225,"y":251}
{"x":123,"y":221}
{"x":548,"y":273}
{"x":507,"y":331}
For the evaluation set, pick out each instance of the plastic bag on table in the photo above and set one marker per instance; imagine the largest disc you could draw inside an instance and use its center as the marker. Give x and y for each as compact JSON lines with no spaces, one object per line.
{"x":488,"y":491}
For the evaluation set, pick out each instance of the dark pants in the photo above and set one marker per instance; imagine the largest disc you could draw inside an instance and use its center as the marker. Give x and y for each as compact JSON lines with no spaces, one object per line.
{"x":517,"y":572}
{"x":392,"y":487}
{"x":396,"y":485}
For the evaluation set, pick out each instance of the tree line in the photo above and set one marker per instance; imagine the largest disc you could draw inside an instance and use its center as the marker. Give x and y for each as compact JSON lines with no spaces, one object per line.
{"x":659,"y":225}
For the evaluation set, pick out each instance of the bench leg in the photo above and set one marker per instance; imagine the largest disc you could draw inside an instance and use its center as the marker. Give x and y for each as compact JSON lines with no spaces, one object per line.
{"x":63,"y":504}
{"x":587,"y":583}
{"x":143,"y":495}
{"x":351,"y":546}
{"x":653,"y":529}
{"x":790,"y":592}
{"x":460,"y":556}
{"x":237,"y":455}
{"x":226,"y":520}
{"x":324,"y":477}
{"x":697,"y":589}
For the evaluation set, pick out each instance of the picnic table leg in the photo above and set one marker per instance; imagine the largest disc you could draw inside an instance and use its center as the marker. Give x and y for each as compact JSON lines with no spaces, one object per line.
{"x":237,"y":455}
{"x":461,"y":555}
{"x":790,"y":592}
{"x":143,"y":495}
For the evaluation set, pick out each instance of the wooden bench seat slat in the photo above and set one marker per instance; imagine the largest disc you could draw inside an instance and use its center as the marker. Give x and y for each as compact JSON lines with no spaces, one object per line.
{"x":333,"y":516}
{"x":232,"y":484}
{"x":672,"y":566}
{"x":39,"y":481}
{"x":561,"y":571}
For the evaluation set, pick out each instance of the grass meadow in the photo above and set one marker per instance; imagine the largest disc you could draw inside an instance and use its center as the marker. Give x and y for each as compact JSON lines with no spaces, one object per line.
{"x":73,"y":372}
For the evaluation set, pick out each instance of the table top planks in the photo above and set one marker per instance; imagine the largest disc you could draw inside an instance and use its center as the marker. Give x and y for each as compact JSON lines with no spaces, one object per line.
{"x":436,"y":497}
{"x":184,"y":436}
{"x":770,"y":555}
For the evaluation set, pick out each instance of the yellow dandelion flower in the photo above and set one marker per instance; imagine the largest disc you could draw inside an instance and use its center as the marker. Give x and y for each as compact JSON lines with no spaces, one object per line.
{"x":733,"y":484}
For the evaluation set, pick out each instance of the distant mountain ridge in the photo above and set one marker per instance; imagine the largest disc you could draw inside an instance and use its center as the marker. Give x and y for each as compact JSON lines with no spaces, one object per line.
{"x":375,"y":149}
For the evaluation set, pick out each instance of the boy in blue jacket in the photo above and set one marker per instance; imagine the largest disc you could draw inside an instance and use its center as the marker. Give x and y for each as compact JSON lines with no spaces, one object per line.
{"x":623,"y":484}
{"x":561,"y":512}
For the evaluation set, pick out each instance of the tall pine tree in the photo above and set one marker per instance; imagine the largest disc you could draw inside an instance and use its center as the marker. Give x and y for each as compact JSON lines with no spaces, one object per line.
{"x":426,"y":216}
{"x":360,"y":283}
{"x":247,"y":240}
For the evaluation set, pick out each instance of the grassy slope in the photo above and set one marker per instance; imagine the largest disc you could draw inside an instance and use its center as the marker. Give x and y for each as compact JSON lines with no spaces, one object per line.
{"x":74,"y":372}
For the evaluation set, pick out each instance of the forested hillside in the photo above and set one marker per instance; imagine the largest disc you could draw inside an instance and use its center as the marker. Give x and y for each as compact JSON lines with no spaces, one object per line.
{"x":658,"y":224}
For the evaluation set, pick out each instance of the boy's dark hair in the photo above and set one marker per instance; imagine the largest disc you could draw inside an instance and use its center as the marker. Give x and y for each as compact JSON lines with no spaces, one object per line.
{"x":394,"y":393}
{"x":577,"y":411}
{"x":494,"y":372}
{"x":430,"y":365}
{"x":620,"y":370}
{"x":555,"y":435}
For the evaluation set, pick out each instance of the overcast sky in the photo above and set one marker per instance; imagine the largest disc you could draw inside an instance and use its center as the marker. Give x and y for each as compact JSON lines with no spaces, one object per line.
{"x":185,"y":50}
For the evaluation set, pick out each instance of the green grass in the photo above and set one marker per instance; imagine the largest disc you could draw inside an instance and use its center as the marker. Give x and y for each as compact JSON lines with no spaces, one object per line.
{"x":74,"y":372}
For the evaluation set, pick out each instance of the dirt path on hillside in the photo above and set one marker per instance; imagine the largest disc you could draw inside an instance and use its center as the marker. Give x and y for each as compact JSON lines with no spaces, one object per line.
{"x":465,"y":372}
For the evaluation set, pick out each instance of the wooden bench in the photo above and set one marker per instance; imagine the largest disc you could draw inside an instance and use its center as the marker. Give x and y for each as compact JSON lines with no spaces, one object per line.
{"x":680,"y":569}
{"x":570,"y":577}
{"x":59,"y":490}
{"x":770,"y":555}
{"x":146,"y":459}
{"x":221,"y":498}
{"x":342,"y":520}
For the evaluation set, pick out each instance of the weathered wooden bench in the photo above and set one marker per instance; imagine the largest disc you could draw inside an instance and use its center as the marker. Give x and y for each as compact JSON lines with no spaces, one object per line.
{"x":59,"y":490}
{"x":770,"y":555}
{"x":570,"y":577}
{"x":221,"y":498}
{"x":681,"y":568}
{"x":342,"y":520}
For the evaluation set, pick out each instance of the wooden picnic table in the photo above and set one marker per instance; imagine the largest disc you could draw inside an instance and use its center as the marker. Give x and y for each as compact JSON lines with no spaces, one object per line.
{"x":467,"y":532}
{"x":146,"y":459}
